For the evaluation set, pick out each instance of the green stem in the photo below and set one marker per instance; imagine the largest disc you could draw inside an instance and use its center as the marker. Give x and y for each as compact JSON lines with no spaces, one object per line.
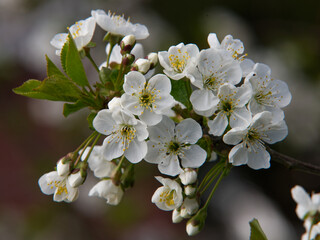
{"x":84,"y":142}
{"x":214,"y":189}
{"x":310,"y":230}
{"x":92,"y":61}
{"x":85,"y":146}
{"x":91,"y":148}
{"x":209,"y":174}
{"x":215,"y":174}
{"x":109,"y":53}
{"x":120,"y":163}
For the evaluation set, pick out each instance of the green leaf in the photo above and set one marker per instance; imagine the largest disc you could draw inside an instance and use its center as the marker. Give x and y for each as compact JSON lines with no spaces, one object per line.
{"x":28,"y":89}
{"x":60,"y":88}
{"x":73,"y":64}
{"x":63,"y":55}
{"x":52,"y":69}
{"x":90,"y":118}
{"x":256,"y":231}
{"x":180,"y":92}
{"x":69,"y":108}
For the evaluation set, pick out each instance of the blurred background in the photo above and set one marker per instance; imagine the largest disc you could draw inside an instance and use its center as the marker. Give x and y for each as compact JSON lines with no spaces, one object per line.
{"x":34,"y":134}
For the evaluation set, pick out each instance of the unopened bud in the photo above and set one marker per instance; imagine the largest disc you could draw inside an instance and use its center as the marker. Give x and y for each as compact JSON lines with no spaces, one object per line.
{"x":176,"y":217}
{"x":196,"y":223}
{"x":153,"y":58}
{"x":189,"y":190}
{"x":76,"y":179}
{"x":188,"y":176}
{"x":192,"y":228}
{"x":141,"y":65}
{"x":63,"y":165}
{"x":127,"y":59}
{"x":189,"y":207}
{"x":127,"y":43}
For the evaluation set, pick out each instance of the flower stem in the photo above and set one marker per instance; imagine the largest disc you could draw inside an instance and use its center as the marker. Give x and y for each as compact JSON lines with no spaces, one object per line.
{"x":212,"y":171}
{"x":91,"y":148}
{"x":213,"y":176}
{"x":109,"y":53}
{"x":214,"y":189}
{"x":89,"y":140}
{"x":88,"y":55}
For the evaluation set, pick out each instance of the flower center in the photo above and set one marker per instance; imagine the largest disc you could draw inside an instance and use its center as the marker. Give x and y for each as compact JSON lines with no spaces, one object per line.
{"x":264,"y":98}
{"x":210,"y":82}
{"x":146,"y":99}
{"x":178,"y":63}
{"x":167,"y":197}
{"x":127,"y":132}
{"x":227,"y":106}
{"x":60,"y":185}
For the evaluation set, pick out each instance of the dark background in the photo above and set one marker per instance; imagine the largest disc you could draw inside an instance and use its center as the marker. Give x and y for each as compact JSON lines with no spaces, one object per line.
{"x":34,"y":134}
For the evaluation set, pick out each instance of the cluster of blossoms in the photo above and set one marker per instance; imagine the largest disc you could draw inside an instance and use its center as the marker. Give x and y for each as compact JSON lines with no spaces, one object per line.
{"x":221,"y":94}
{"x":308,"y":210}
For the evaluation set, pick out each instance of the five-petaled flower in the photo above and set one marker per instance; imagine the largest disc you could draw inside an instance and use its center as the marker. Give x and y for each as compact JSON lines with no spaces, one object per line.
{"x":147,"y":99}
{"x":169,"y":196}
{"x":173,"y":146}
{"x":249,"y":141}
{"x":81,"y":32}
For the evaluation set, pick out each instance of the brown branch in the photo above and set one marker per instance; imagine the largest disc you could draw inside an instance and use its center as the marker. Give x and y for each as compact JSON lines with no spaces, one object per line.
{"x":292,"y":163}
{"x":289,"y":162}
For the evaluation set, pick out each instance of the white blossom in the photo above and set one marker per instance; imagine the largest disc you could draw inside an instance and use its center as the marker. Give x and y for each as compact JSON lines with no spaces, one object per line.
{"x":170,"y":145}
{"x":189,"y":207}
{"x":169,"y":196}
{"x":267,"y":94}
{"x":76,"y":179}
{"x":118,"y":25}
{"x":63,"y":169}
{"x":188,"y":176}
{"x":116,"y":56}
{"x":53,"y":183}
{"x":108,"y":190}
{"x":190,"y":190}
{"x":176,"y":217}
{"x":250,"y":140}
{"x":179,"y":60}
{"x":97,"y":162}
{"x":147,"y":99}
{"x":192,"y":229}
{"x":307,"y":209}
{"x":233,"y":46}
{"x":215,"y":68}
{"x":125,"y":134}
{"x":82,"y":32}
{"x":231,"y":108}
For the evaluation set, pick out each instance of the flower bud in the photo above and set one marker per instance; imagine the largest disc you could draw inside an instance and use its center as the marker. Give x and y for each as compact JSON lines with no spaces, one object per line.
{"x":196,"y":223}
{"x":189,"y":207}
{"x":188,"y":176}
{"x":127,"y":43}
{"x":153,"y":58}
{"x":127,"y":59}
{"x":190,"y":190}
{"x":76,"y":179}
{"x":176,"y":217}
{"x":141,"y":65}
{"x":63,"y":165}
{"x":192,"y":229}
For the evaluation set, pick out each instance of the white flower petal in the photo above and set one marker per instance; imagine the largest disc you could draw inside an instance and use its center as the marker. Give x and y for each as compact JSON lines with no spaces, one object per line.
{"x":193,"y":157}
{"x":235,"y":136}
{"x":112,"y":147}
{"x":240,"y":117}
{"x":136,"y":151}
{"x":188,"y":131}
{"x":218,"y":125}
{"x":104,"y":122}
{"x":133,"y":82}
{"x":258,"y":159}
{"x":150,"y":117}
{"x":238,"y":155}
{"x":173,"y":168}
{"x":163,"y":131}
{"x":203,"y":100}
